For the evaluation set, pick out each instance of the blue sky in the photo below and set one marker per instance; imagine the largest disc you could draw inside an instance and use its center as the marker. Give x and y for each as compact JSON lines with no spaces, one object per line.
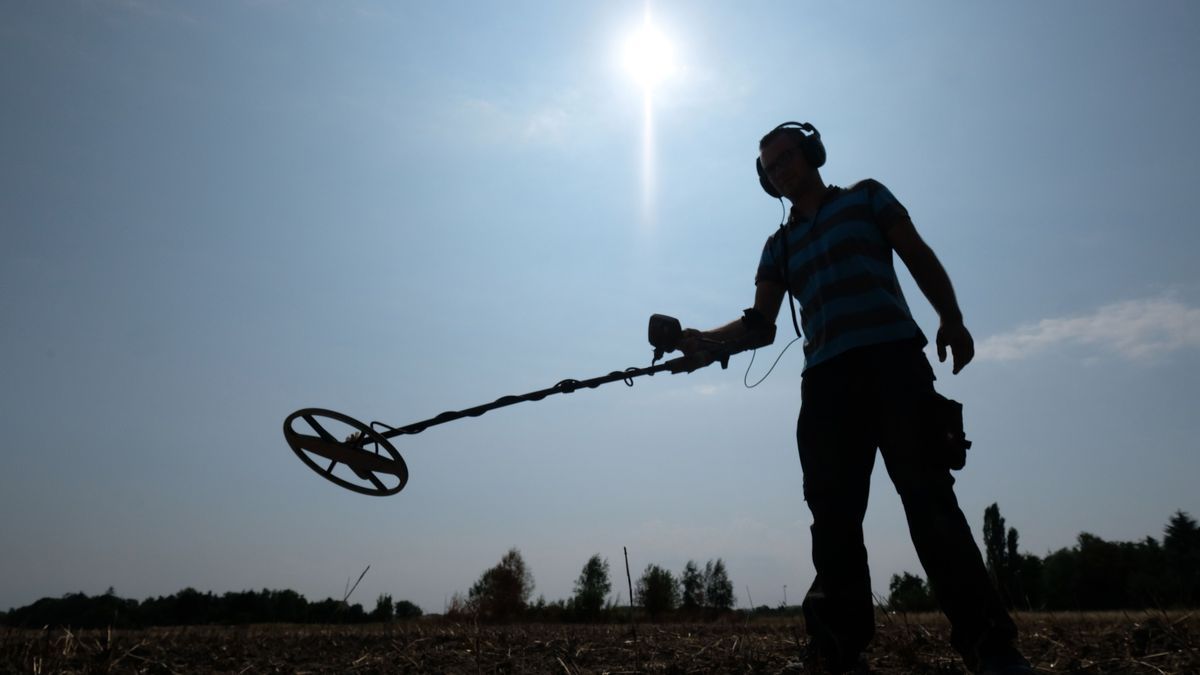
{"x":216,"y":213}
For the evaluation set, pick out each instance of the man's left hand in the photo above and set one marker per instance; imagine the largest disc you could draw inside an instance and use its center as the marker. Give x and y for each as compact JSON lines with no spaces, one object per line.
{"x":955,"y":336}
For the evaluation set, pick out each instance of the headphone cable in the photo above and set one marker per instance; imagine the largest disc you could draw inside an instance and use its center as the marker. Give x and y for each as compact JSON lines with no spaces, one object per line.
{"x":746,"y":377}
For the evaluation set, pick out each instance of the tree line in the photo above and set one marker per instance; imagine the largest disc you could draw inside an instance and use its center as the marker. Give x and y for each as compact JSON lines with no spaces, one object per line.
{"x":190,"y":607}
{"x":503,"y":593}
{"x":1094,"y":574}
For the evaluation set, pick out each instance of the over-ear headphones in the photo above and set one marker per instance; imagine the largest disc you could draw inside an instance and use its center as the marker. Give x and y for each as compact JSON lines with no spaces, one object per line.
{"x":810,"y":145}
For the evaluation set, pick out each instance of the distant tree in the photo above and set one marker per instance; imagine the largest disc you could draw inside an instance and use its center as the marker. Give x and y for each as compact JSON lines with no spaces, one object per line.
{"x":1029,"y":584}
{"x":77,"y":610}
{"x":191,"y":607}
{"x":537,"y":609}
{"x":1004,"y":561}
{"x":187,"y":607}
{"x":692,"y":583}
{"x":657,"y":591}
{"x":407,"y":610}
{"x":242,"y":607}
{"x":1060,"y":579}
{"x":1181,"y":548}
{"x":1105,"y":575}
{"x":287,"y":606}
{"x":1182,"y":532}
{"x":502,"y":592}
{"x":458,"y":607}
{"x":558,"y":611}
{"x":592,"y":587}
{"x":908,"y":593}
{"x":385,"y":609}
{"x":718,"y":589}
{"x":1016,"y":569}
{"x":1099,"y":569}
{"x":993,"y":537}
{"x":1149,"y":581}
{"x":996,"y":550}
{"x":353,"y":613}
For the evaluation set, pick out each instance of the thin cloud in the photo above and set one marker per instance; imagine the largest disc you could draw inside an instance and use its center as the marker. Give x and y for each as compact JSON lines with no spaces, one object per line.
{"x":1135,"y":329}
{"x":548,"y":123}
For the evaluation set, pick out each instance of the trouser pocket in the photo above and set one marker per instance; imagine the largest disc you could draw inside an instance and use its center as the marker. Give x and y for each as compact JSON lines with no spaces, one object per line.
{"x":944,"y":430}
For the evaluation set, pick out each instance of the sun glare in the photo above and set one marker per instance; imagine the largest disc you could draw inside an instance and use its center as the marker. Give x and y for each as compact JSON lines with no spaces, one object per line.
{"x":649,"y":58}
{"x":648,"y":55}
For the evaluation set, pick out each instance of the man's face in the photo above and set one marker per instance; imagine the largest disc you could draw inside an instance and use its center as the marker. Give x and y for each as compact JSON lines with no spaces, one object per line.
{"x":784,"y":163}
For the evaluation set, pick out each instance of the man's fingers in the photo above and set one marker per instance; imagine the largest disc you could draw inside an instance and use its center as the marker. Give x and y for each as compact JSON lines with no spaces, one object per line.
{"x":941,"y":350}
{"x":964,"y":351}
{"x":964,"y":354}
{"x":689,"y":340}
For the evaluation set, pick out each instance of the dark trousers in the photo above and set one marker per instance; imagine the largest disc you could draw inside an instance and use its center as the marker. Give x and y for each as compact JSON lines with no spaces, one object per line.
{"x":876,"y":398}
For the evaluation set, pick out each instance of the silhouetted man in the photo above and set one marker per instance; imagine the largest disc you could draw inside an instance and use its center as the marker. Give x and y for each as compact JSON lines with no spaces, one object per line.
{"x":867,"y":385}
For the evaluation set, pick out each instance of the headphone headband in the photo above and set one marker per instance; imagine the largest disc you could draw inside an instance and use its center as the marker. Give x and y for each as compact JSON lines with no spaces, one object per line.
{"x":804,"y":126}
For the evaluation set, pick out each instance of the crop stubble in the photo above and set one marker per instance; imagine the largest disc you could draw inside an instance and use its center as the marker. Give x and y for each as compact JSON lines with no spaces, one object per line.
{"x":1152,"y":643}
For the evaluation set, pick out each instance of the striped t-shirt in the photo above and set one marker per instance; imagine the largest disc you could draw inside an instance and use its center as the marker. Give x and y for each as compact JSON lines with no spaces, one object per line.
{"x":840,"y":271}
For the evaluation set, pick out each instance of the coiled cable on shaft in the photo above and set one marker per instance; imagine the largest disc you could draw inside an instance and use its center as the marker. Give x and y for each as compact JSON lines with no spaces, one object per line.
{"x":566,"y":386}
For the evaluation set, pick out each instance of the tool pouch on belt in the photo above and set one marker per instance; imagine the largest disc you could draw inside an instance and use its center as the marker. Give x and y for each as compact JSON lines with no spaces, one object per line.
{"x":948,"y":439}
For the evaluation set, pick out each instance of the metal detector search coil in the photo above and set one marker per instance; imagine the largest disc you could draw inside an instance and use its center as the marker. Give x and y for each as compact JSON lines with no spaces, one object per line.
{"x":376,"y":468}
{"x":369,"y":456}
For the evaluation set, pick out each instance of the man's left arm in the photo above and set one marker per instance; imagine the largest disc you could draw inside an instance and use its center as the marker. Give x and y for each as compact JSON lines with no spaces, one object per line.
{"x":933,"y":281}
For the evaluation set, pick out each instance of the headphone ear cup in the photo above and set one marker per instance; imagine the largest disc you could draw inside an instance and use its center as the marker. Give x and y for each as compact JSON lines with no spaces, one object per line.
{"x":814,"y":150}
{"x":764,"y":181}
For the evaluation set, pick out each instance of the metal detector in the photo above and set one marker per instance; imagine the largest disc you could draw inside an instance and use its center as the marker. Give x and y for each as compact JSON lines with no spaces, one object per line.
{"x":374,"y":467}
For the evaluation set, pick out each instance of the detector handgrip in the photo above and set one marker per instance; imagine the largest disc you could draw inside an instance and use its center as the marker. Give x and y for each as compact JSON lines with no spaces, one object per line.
{"x":665,"y":331}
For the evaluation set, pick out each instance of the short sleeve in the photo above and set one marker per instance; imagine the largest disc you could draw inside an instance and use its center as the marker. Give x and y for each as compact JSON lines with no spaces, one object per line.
{"x":768,"y":264}
{"x":887,"y":210}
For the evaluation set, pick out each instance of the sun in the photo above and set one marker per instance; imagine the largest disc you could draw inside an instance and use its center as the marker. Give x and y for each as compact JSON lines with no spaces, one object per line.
{"x":648,"y":55}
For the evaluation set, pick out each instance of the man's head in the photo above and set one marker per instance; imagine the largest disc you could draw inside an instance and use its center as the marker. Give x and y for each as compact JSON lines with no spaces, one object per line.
{"x":788,"y":157}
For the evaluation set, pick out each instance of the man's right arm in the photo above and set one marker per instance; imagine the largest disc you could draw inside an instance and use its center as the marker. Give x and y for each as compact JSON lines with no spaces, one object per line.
{"x":768,"y":298}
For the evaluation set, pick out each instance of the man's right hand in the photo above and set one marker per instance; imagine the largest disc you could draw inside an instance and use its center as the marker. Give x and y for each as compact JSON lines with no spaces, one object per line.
{"x":690,"y":341}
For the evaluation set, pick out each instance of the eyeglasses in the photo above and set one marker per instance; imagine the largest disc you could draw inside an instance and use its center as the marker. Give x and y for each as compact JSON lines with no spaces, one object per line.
{"x":783,"y":158}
